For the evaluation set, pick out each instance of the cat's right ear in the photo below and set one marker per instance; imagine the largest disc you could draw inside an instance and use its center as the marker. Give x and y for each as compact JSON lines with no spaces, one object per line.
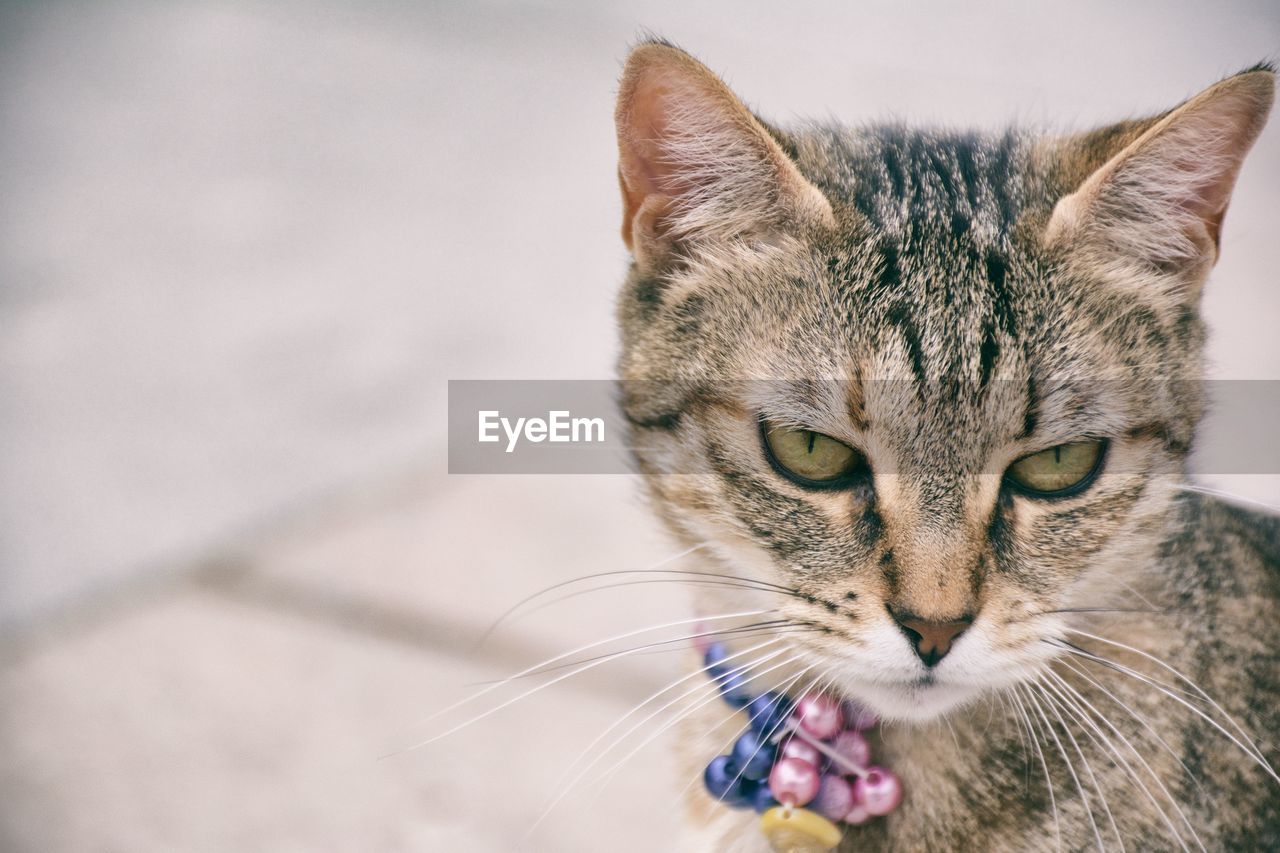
{"x":695,"y":166}
{"x":1156,"y":204}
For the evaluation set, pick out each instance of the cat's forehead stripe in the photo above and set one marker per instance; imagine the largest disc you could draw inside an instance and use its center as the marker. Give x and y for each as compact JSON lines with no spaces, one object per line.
{"x":899,"y":179}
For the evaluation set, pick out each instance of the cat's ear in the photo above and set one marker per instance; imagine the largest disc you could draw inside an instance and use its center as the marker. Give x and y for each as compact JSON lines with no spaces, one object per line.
{"x":1157,"y":200}
{"x":694,"y":164}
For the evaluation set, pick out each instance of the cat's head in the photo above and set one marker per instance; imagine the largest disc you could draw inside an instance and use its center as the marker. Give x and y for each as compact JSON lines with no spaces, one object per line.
{"x":965,"y":426}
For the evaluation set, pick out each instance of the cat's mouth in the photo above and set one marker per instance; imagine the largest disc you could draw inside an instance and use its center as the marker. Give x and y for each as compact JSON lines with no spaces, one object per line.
{"x":915,"y":698}
{"x":920,"y":700}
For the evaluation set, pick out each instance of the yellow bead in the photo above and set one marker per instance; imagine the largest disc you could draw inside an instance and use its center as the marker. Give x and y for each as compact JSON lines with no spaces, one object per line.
{"x":792,"y":830}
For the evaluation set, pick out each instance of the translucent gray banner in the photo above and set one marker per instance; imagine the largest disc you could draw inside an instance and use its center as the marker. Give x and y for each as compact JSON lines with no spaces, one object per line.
{"x":579,"y":426}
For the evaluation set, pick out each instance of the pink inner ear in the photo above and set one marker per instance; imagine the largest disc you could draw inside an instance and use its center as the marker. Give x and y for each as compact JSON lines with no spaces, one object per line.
{"x":643,"y":169}
{"x":649,"y":135}
{"x":645,"y":127}
{"x":696,"y":167}
{"x":1167,"y":194}
{"x":1206,"y":172}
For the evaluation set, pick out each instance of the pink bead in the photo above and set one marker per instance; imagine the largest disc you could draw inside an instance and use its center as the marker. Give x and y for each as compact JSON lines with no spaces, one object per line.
{"x":793,"y":747}
{"x":852,"y":747}
{"x":701,"y":637}
{"x":879,"y":791}
{"x":834,"y":799}
{"x":819,"y":715}
{"x":794,"y":781}
{"x":858,"y":718}
{"x":857,"y":815}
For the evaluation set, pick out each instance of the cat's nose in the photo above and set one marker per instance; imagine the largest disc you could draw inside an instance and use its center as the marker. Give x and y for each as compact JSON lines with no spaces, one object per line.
{"x":931,"y":640}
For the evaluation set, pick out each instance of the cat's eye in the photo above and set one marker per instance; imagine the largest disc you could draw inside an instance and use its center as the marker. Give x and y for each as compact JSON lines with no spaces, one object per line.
{"x":811,"y":458}
{"x":1061,"y":470}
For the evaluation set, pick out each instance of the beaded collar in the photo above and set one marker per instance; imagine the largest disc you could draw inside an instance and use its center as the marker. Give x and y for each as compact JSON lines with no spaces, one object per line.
{"x":804,"y":765}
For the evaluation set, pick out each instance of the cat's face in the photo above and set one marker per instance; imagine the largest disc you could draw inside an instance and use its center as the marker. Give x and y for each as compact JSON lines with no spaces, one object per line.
{"x":955,"y":422}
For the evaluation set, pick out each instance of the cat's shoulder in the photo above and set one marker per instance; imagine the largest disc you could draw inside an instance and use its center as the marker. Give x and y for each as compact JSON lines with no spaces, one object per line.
{"x":1231,"y":533}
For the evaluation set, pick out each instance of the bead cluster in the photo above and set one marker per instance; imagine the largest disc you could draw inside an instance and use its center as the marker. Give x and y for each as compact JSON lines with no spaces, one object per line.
{"x":810,"y":752}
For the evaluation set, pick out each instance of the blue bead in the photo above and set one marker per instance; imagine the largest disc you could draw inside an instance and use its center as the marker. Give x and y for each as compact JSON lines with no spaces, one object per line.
{"x":714,"y":659}
{"x":768,"y":712}
{"x":734,"y":689}
{"x":762,"y":800}
{"x":723,"y":782}
{"x":731,"y":680}
{"x":747,"y":793}
{"x":753,"y":755}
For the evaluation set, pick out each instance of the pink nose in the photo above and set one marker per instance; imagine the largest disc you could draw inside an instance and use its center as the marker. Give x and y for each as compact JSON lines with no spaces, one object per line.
{"x":932,"y":640}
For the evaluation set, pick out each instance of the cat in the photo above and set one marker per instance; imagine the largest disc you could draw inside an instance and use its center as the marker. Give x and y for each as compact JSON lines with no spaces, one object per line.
{"x":963,"y":483}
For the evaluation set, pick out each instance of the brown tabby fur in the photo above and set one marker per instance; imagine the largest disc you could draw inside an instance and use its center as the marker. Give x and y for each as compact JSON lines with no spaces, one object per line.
{"x":920,"y":295}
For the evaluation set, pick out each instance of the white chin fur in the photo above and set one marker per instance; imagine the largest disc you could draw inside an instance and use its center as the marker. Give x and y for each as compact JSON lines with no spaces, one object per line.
{"x":909,"y":703}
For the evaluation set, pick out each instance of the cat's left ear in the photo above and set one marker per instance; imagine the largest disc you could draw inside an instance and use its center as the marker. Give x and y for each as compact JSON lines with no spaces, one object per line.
{"x":1157,"y":203}
{"x":696,"y":167}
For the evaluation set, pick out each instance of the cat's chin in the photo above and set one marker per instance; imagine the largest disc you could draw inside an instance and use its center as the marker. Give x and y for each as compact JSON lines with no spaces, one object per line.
{"x":916,"y":702}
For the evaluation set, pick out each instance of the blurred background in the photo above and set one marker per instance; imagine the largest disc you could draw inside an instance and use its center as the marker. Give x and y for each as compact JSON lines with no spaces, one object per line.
{"x":243,"y":245}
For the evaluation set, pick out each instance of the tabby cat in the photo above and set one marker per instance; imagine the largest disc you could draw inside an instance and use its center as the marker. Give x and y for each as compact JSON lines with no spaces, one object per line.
{"x":930,"y":394}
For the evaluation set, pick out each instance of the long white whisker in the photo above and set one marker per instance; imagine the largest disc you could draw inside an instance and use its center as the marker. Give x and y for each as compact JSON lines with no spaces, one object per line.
{"x":772,"y":627}
{"x":783,"y":688}
{"x":1084,"y":798}
{"x":1219,"y":493}
{"x":954,"y":738}
{"x":1053,"y":800}
{"x":510,"y":611}
{"x":1022,"y":738}
{"x":1239,"y":729}
{"x":737,"y":670}
{"x":1080,"y":698}
{"x":1097,"y":787}
{"x":558,"y":679}
{"x":566,"y":788}
{"x":1070,"y":664}
{"x":779,"y":726}
{"x":684,"y":579}
{"x":1121,"y":668}
{"x":608,"y":776}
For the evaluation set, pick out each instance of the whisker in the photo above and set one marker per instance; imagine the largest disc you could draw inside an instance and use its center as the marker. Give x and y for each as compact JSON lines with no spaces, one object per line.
{"x":764,"y":740}
{"x":1053,"y":800}
{"x":573,"y":783}
{"x":760,"y":629}
{"x":1079,"y":698}
{"x":1055,"y":707}
{"x":1239,"y":729}
{"x":490,"y":688}
{"x":1121,"y":668}
{"x":1068,"y":645}
{"x":528,"y":598}
{"x":954,"y":738}
{"x":1084,"y":798}
{"x":1106,"y":807}
{"x":1103,"y":610}
{"x":1219,"y":493}
{"x":1057,"y":611}
{"x":1022,"y":738}
{"x":689,"y":579}
{"x":1070,"y":664}
{"x":783,"y":688}
{"x":738,"y":669}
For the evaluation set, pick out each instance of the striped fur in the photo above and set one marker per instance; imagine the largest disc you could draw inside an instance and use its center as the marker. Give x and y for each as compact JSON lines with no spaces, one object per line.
{"x":948,"y":302}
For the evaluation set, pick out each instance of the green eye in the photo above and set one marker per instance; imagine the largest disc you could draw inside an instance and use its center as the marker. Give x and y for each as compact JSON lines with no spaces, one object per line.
{"x":811,"y":458}
{"x":1058,"y":470}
